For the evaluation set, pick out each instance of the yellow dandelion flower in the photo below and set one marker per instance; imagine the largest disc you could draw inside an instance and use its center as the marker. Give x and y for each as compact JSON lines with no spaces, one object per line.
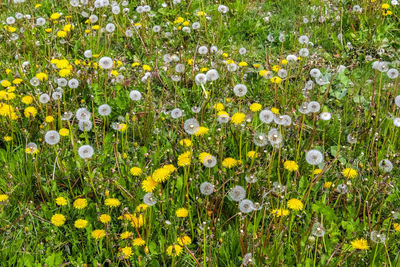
{"x":98,"y":233}
{"x":317,"y":171}
{"x":255,"y":107}
{"x":291,"y":165}
{"x":201,"y":131}
{"x":263,"y":73}
{"x":137,"y":220}
{"x":126,"y":235}
{"x":136,"y":171}
{"x":184,"y":240}
{"x":275,"y":111}
{"x":280,"y":212}
{"x":11,"y":29}
{"x":229,"y":163}
{"x":80,"y":223}
{"x":5,"y":83}
{"x":179,"y":20}
{"x":174,"y":250}
{"x":160,"y":175}
{"x":252,"y":154}
{"x":295,"y":204}
{"x":64,"y":72}
{"x":3,"y":197}
{"x":149,"y":185}
{"x":276,"y":79}
{"x":141,"y":207}
{"x":61,"y":201}
{"x":349,"y":173}
{"x":63,"y":132}
{"x":184,"y":159}
{"x":327,"y":185}
{"x":185,"y":142}
{"x":55,"y":16}
{"x":146,"y":68}
{"x":202,"y":156}
{"x":138,"y":242}
{"x":30,"y":112}
{"x":49,"y":119}
{"x":276,"y":68}
{"x":125,"y":252}
{"x":27,"y":99}
{"x":360,"y":244}
{"x":67,"y":28}
{"x":58,"y":219}
{"x":105,"y":218}
{"x":42,"y":76}
{"x":61,"y":34}
{"x":112,"y":202}
{"x":238,"y":118}
{"x":182,"y":213}
{"x":80,"y":203}
{"x":218,"y":106}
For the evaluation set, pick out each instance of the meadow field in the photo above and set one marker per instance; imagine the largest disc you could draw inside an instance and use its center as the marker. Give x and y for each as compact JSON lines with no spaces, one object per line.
{"x":199,"y":133}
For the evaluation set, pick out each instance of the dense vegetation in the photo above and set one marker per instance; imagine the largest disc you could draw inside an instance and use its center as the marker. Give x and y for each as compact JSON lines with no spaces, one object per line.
{"x":199,"y":133}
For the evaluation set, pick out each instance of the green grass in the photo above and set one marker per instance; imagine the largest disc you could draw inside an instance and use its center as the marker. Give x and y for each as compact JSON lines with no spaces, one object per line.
{"x":360,"y":99}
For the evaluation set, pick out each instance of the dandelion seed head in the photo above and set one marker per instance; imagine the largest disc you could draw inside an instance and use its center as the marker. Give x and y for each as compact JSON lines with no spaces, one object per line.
{"x":385,"y":165}
{"x":237,"y":193}
{"x":52,"y":137}
{"x":106,"y":63}
{"x":277,"y":188}
{"x":104,"y":110}
{"x":149,"y":199}
{"x":303,"y":108}
{"x":206,"y":188}
{"x":73,"y":83}
{"x":202,"y":50}
{"x":251,"y":178}
{"x":342,"y":189}
{"x":176,"y":113}
{"x":85,"y":125}
{"x":378,"y":237}
{"x":223,"y":9}
{"x":314,"y":157}
{"x":318,"y":230}
{"x":86,"y":151}
{"x":191,"y":126}
{"x":325,"y":116}
{"x":314,"y":106}
{"x":44,"y":98}
{"x":209,"y":161}
{"x":240,"y":90}
{"x":83,"y":114}
{"x":246,"y":205}
{"x":260,"y":139}
{"x":274,"y":136}
{"x":135,"y":95}
{"x":200,"y":78}
{"x":212,"y":75}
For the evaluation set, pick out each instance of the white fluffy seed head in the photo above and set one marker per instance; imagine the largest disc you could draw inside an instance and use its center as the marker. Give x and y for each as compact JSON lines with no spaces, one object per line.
{"x":86,"y":151}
